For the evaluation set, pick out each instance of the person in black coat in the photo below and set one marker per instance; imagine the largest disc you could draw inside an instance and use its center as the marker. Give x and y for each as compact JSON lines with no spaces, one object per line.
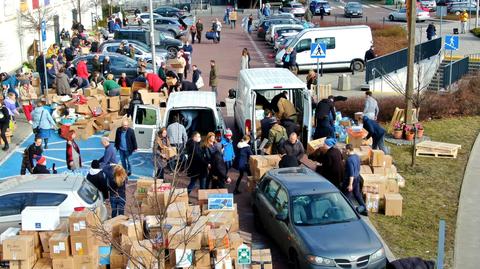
{"x":196,"y":164}
{"x":34,"y":151}
{"x":40,"y":66}
{"x":324,"y":119}
{"x":267,"y":123}
{"x":141,"y":113}
{"x":244,"y":153}
{"x":97,"y":178}
{"x":126,"y":144}
{"x":4,"y":124}
{"x":116,"y":179}
{"x":41,"y":167}
{"x":376,"y":132}
{"x":370,"y":54}
{"x":219,"y":169}
{"x":331,"y":163}
{"x":187,"y":86}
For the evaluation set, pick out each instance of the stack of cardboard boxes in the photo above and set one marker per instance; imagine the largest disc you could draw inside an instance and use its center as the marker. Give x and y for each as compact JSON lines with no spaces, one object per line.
{"x":259,"y":165}
{"x":380,"y":186}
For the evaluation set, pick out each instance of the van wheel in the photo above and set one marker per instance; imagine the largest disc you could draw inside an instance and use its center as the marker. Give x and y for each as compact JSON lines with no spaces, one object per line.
{"x":391,"y":17}
{"x":293,"y":260}
{"x":358,"y":66}
{"x":172,"y":52}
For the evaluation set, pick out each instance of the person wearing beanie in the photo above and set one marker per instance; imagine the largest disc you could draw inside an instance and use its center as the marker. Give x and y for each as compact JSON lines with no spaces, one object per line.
{"x":41,"y":167}
{"x":331,"y":163}
{"x":97,"y":178}
{"x":228,"y":151}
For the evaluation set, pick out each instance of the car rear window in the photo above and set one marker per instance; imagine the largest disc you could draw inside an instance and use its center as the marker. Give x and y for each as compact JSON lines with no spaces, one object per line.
{"x":48,"y":199}
{"x":88,"y":192}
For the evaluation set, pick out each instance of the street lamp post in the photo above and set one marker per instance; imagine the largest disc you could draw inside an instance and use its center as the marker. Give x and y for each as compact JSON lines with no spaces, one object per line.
{"x":152,"y":37}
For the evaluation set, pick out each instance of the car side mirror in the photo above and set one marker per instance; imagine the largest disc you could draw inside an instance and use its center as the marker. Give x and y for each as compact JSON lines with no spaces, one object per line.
{"x":222,"y":104}
{"x":362,"y":210}
{"x":281,"y":217}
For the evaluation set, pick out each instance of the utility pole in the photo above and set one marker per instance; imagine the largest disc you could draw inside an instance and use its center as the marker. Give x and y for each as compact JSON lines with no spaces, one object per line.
{"x":476,"y":14}
{"x":411,"y":20}
{"x":152,"y":38}
{"x":79,"y":10}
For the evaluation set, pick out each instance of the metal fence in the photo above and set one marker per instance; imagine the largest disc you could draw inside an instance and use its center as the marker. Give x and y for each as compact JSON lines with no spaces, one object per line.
{"x":397,"y":60}
{"x":454,"y":71}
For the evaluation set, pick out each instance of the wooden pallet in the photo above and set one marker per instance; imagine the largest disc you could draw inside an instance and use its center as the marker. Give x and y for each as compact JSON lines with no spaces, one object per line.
{"x":420,"y":153}
{"x":437,"y":149}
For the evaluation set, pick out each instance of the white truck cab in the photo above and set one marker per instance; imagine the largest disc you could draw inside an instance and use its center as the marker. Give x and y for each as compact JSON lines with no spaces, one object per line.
{"x":256,"y":83}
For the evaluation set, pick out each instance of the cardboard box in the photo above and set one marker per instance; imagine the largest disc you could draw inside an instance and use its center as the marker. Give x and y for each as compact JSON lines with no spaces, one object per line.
{"x":24,"y":263}
{"x":393,"y":204}
{"x":19,"y":247}
{"x":177,"y":195}
{"x":63,"y":263}
{"x":117,"y":259}
{"x":12,"y":231}
{"x":378,"y":158}
{"x":358,"y":116}
{"x":170,"y":152}
{"x":43,"y":263}
{"x":392,"y":186}
{"x":391,"y":172}
{"x":388,"y":161}
{"x":44,"y":240}
{"x":90,"y":92}
{"x":356,"y":137}
{"x":82,"y":109}
{"x":156,"y":198}
{"x":112,"y":227}
{"x":82,"y":245}
{"x":377,"y":183}
{"x":59,"y":244}
{"x":373,"y":202}
{"x":218,"y":238}
{"x":194,"y":212}
{"x":35,"y":235}
{"x":86,"y":261}
{"x":113,"y":103}
{"x":203,"y":195}
{"x":264,"y":161}
{"x":202,"y":258}
{"x":79,"y":221}
{"x":378,"y":170}
{"x":313,"y":145}
{"x":143,"y":250}
{"x":365,"y":169}
{"x":132,"y":229}
{"x":185,"y":238}
{"x":125,"y":91}
{"x":177,"y":210}
{"x":261,"y":258}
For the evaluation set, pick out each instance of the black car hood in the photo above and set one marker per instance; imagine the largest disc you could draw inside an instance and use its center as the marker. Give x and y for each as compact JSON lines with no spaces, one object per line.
{"x":339,"y":240}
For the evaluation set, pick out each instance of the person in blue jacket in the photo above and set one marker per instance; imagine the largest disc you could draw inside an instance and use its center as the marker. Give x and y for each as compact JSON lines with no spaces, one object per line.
{"x":351,"y":183}
{"x":228,"y":151}
{"x":376,"y":132}
{"x":109,"y":155}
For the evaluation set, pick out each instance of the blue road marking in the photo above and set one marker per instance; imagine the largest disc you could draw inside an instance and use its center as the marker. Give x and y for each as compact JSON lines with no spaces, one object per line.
{"x":90,"y":149}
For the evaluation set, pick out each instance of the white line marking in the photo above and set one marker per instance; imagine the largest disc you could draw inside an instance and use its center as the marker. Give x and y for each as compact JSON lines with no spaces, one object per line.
{"x":366,"y":6}
{"x":341,"y":7}
{"x":257,"y":50}
{"x":374,"y":6}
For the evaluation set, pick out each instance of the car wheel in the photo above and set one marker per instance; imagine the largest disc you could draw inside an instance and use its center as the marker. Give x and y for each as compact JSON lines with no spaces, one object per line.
{"x":293,"y":260}
{"x":391,"y":18}
{"x":358,"y":66}
{"x":172,"y":52}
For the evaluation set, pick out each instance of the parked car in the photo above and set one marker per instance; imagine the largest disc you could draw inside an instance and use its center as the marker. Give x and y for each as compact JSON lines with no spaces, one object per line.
{"x":340,"y":51}
{"x":120,"y":64}
{"x":142,"y":51}
{"x":401,"y":15}
{"x":282,"y":42}
{"x":65,"y":191}
{"x":317,"y":4}
{"x":459,"y":7}
{"x":263,"y":28}
{"x":176,"y":27}
{"x":284,"y":33}
{"x":430,"y":5}
{"x":143,"y":35}
{"x":257,"y":23}
{"x":313,"y":223}
{"x":167,"y":11}
{"x":353,"y":9}
{"x":200,"y":103}
{"x":144,"y":18}
{"x":272,"y":32}
{"x":295,"y":8}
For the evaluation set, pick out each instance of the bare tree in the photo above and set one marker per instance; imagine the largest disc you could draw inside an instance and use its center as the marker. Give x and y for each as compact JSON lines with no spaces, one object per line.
{"x":31,"y":21}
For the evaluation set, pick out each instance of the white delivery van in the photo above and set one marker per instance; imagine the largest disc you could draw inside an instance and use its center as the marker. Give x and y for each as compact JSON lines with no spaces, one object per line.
{"x":346,"y":45}
{"x":256,"y":83}
{"x":197,"y":111}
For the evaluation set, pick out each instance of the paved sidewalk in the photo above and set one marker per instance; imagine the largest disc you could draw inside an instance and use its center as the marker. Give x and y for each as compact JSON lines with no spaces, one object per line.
{"x":467,"y":234}
{"x":22,"y":131}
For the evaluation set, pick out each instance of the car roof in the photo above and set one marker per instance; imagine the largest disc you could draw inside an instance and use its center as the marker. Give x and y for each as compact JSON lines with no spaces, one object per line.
{"x":301,"y":180}
{"x":192,"y":99}
{"x":266,"y":78}
{"x":40,"y":183}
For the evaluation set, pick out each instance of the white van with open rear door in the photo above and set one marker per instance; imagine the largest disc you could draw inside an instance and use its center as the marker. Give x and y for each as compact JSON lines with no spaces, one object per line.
{"x":346,"y":47}
{"x":259,"y":85}
{"x":147,"y":120}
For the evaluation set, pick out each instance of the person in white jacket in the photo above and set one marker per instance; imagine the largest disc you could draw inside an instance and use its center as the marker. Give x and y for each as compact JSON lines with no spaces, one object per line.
{"x":371,"y":106}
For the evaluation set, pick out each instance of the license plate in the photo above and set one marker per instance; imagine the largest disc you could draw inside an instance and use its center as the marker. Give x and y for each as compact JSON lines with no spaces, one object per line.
{"x":354,"y":13}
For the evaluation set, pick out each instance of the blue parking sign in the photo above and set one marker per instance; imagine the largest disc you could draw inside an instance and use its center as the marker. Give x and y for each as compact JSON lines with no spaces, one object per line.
{"x":318,"y":50}
{"x":451,"y":42}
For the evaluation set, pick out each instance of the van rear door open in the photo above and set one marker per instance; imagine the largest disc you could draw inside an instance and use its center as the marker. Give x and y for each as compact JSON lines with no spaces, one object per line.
{"x":146,"y":123}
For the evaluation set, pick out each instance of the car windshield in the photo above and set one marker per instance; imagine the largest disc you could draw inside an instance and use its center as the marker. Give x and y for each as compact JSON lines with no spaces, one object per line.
{"x":321,"y":209}
{"x":142,"y":46}
{"x":88,"y":192}
{"x":354,"y":5}
{"x":297,"y":5}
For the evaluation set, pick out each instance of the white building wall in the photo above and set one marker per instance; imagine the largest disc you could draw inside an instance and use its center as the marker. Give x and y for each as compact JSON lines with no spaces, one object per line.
{"x":15,"y":42}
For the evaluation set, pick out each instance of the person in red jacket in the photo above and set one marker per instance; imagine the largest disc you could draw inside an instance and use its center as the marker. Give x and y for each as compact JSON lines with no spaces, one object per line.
{"x":82,"y":70}
{"x":74,"y":160}
{"x":154,"y":82}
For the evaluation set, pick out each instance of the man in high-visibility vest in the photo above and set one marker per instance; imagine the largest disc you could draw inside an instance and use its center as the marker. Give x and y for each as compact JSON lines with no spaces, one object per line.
{"x":463,"y":21}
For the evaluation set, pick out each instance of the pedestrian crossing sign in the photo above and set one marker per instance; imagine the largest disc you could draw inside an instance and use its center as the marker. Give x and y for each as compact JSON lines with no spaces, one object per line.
{"x":451,"y":42}
{"x":318,"y":50}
